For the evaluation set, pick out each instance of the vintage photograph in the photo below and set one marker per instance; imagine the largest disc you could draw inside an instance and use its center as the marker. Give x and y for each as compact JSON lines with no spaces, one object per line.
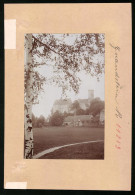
{"x":64,"y":96}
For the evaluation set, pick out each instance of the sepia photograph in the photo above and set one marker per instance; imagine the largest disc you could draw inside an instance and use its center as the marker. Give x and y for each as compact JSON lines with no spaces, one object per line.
{"x":64,"y":96}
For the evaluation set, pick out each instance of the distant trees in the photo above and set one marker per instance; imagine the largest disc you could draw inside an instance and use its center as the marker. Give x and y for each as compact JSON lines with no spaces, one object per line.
{"x":65,"y":114}
{"x":75,"y":106}
{"x":96,"y":106}
{"x":33,"y":120}
{"x":56,"y":119}
{"x":95,"y":120}
{"x":80,"y":111}
{"x":38,"y":121}
{"x":77,"y":109}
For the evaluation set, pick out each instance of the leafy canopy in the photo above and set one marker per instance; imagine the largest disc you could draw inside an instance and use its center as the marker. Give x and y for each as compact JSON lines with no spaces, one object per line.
{"x":68,"y":54}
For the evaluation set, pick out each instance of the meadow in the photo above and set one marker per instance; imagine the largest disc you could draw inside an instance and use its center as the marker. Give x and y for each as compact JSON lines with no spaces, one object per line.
{"x":49,"y":137}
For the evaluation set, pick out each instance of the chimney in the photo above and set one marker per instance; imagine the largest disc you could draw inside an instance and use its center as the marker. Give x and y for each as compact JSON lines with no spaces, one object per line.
{"x":90,"y":95}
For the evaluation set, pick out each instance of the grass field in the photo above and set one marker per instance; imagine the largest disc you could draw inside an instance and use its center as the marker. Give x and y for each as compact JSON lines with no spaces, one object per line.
{"x":48,"y":137}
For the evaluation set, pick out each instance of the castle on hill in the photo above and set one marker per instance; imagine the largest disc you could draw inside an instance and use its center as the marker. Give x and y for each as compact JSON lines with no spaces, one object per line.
{"x":64,"y":105}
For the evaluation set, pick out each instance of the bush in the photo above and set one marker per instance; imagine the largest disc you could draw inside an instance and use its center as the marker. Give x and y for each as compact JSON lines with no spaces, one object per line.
{"x":56,"y":119}
{"x":38,"y":122}
{"x":95,"y":120}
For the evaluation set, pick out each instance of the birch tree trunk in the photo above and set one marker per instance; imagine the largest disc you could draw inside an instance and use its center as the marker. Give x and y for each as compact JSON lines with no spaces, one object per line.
{"x":28,"y":133}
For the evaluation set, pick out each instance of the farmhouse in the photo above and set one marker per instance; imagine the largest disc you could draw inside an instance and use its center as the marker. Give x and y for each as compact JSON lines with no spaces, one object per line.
{"x":78,"y":120}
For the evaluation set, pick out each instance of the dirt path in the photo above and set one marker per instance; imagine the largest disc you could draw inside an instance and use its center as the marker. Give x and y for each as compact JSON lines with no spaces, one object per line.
{"x":58,"y":147}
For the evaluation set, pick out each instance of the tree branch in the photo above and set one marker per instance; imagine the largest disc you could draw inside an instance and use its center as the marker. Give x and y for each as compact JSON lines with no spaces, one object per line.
{"x":43,"y":44}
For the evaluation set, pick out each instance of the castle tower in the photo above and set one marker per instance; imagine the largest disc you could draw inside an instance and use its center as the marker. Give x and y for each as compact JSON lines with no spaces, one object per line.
{"x":90,"y":95}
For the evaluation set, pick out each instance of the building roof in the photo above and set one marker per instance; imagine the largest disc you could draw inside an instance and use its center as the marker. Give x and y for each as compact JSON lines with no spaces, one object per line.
{"x":77,"y":117}
{"x":63,"y":102}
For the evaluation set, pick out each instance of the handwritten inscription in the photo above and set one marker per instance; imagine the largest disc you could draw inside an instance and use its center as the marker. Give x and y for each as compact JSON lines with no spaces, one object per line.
{"x":118,"y":136}
{"x":118,"y":113}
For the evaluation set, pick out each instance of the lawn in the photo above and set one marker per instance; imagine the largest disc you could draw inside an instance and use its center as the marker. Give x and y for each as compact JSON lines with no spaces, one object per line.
{"x":83,"y":151}
{"x":48,"y":137}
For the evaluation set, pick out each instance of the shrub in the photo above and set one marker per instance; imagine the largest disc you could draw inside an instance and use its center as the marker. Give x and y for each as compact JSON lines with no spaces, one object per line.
{"x":56,"y":119}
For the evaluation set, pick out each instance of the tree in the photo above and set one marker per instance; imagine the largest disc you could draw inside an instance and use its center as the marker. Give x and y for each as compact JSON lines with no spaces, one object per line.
{"x":40,"y":121}
{"x":95,"y":120}
{"x":80,"y":112}
{"x":75,"y":106}
{"x":28,"y":142}
{"x":66,"y":59}
{"x":33,"y":120}
{"x":96,"y":106}
{"x":57,"y":119}
{"x":87,"y":111}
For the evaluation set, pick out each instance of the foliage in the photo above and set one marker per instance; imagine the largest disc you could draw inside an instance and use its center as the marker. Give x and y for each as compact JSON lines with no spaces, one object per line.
{"x":34,"y":120}
{"x":38,"y":121}
{"x":75,"y":106}
{"x":56,"y":119}
{"x":87,"y":111}
{"x":81,"y":112}
{"x":95,"y":119}
{"x":96,"y":106}
{"x":78,"y":110}
{"x":67,"y":60}
{"x":65,"y":114}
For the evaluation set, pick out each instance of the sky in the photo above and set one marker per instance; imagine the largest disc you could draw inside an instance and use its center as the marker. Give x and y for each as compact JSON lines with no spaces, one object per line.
{"x":51,"y":92}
